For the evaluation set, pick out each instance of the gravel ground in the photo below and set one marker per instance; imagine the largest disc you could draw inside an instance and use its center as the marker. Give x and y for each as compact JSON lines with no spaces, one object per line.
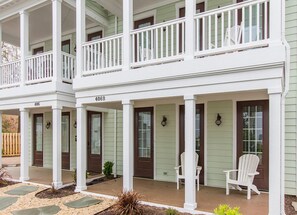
{"x":30,"y":201}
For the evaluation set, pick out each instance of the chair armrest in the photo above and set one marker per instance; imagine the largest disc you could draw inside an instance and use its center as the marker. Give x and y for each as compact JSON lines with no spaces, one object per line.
{"x":177,"y":167}
{"x":253,"y":174}
{"x":228,"y":171}
{"x":199,"y":168}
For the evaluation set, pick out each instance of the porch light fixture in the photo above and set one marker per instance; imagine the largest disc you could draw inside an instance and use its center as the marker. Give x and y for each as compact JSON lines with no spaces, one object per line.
{"x":164,"y":121}
{"x":218,"y":120}
{"x":74,"y":124}
{"x":48,"y":124}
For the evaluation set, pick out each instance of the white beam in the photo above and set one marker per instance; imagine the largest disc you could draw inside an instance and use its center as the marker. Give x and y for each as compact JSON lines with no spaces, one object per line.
{"x":80,"y":35}
{"x":24,"y":41}
{"x":57,"y":29}
{"x":190,"y":191}
{"x":189,"y":31}
{"x":275,"y":153}
{"x":81,"y":150}
{"x":128,"y":145}
{"x":57,"y":151}
{"x":24,"y":174}
{"x":0,"y":43}
{"x":127,"y":27}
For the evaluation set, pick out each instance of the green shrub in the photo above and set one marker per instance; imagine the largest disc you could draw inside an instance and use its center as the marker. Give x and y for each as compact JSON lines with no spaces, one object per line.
{"x":128,"y":204}
{"x":171,"y":211}
{"x":226,"y":210}
{"x":107,"y":170}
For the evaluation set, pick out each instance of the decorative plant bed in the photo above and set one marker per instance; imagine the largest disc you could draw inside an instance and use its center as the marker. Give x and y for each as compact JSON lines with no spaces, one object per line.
{"x":51,"y":193}
{"x":4,"y":183}
{"x":288,"y":204}
{"x":100,"y":180}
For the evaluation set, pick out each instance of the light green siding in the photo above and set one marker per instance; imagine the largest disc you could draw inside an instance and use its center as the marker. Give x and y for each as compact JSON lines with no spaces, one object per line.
{"x":290,"y":116}
{"x":47,"y":141}
{"x":165,"y":143}
{"x":73,"y":141}
{"x":219,"y":142}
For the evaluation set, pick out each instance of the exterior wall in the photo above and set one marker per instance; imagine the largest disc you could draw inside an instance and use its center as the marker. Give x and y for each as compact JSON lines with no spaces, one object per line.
{"x":72,"y":141}
{"x":165,"y":143}
{"x":47,"y":141}
{"x":290,"y":123}
{"x":219,"y":142}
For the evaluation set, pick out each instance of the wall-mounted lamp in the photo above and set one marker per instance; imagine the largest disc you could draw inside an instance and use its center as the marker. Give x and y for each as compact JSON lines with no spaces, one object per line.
{"x":218,"y":120}
{"x":74,"y":124}
{"x":48,"y":124}
{"x":164,"y":121}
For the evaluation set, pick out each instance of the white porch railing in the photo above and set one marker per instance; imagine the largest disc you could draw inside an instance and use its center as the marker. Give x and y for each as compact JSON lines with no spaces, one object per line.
{"x":158,"y":43}
{"x":10,"y":74}
{"x":39,"y":68}
{"x":68,"y":67}
{"x":232,"y":28}
{"x":103,"y":55}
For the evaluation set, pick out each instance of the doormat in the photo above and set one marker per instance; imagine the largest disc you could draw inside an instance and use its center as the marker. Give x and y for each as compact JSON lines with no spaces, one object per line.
{"x":7,"y":201}
{"x":83,"y":202}
{"x":22,"y":190}
{"x":47,"y":210}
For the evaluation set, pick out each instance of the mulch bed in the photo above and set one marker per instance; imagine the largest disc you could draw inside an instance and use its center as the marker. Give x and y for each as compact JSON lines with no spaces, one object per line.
{"x":288,"y":205}
{"x":51,"y":194}
{"x":5,"y":183}
{"x":145,"y":210}
{"x":100,"y":180}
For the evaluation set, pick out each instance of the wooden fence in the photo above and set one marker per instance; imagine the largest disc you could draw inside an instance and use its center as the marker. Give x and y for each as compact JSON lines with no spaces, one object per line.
{"x":11,"y":144}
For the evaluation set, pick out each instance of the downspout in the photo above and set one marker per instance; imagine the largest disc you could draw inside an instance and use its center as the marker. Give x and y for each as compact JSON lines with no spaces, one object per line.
{"x":285,"y":93}
{"x":115,"y":144}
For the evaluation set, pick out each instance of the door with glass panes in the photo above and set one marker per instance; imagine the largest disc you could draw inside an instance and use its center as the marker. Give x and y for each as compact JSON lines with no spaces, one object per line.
{"x":143,"y":142}
{"x":94,"y":147}
{"x":199,"y":133}
{"x":253,"y":136}
{"x":38,"y":140}
{"x":66,"y":140}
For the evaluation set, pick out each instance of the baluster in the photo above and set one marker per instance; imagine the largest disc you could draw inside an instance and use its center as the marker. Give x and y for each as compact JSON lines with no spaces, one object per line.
{"x":265,"y":20}
{"x":142,"y":46}
{"x":250,"y":18}
{"x":157,"y":43}
{"x":110,"y":53}
{"x":209,"y":32}
{"x":258,"y":22}
{"x":147,"y":45}
{"x":162,"y":42}
{"x":243,"y":25}
{"x":236,"y":29}
{"x":216,"y":30}
{"x":222,"y":29}
{"x":152,"y":47}
{"x":203,"y":33}
{"x":183,"y":37}
{"x":106,"y":54}
{"x":114,"y":52}
{"x":229,"y":28}
{"x":171,"y":34}
{"x":137,"y":46}
{"x":167,"y":38}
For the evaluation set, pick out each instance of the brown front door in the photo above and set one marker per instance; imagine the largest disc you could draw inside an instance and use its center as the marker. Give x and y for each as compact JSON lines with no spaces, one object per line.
{"x":95,"y":36}
{"x":38,"y":51}
{"x":200,"y":7}
{"x":38,"y":140}
{"x":253,"y":136}
{"x":66,"y":140}
{"x":199,"y":135}
{"x":144,"y":142}
{"x":94,"y":142}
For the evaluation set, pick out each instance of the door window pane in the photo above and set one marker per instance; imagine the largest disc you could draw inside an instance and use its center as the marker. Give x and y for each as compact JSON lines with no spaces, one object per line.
{"x":253,"y":130}
{"x":39,"y":131}
{"x":144,"y":134}
{"x":65,"y":133}
{"x":96,"y":134}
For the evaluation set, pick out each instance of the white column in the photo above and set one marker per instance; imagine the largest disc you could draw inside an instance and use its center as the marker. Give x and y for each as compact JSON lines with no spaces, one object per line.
{"x":24,"y":175}
{"x":189,"y":31}
{"x":57,"y":29}
{"x":190,"y":187}
{"x":57,"y":145}
{"x":127,"y":26}
{"x":24,"y":43}
{"x":128,"y":144}
{"x":0,"y":43}
{"x":80,"y":34}
{"x":275,"y":153}
{"x":1,"y":139}
{"x":276,"y":21}
{"x":81,"y":149}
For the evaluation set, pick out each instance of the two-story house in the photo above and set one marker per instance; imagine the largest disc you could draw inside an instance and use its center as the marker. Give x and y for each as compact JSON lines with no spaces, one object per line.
{"x":154,"y":79}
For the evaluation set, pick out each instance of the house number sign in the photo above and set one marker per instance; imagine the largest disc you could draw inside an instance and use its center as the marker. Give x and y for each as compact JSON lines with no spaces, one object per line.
{"x":37,"y":104}
{"x":100,"y":98}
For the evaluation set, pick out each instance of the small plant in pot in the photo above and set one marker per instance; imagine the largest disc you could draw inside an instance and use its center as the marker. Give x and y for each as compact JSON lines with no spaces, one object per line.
{"x":107,"y":170}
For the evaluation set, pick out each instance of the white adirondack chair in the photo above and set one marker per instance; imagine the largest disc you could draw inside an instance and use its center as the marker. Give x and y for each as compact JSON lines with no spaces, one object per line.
{"x":247,"y":170}
{"x":182,"y":167}
{"x":234,"y":36}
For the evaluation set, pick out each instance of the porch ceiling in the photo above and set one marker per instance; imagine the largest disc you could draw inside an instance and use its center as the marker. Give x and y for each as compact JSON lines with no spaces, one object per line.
{"x":40,"y":24}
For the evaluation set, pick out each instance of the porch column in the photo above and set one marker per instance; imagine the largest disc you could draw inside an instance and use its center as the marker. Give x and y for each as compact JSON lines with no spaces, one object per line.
{"x":57,"y":145}
{"x":276,"y":20}
{"x":1,"y":140}
{"x":24,"y":43}
{"x":81,"y":150}
{"x":57,"y":29}
{"x":189,"y":31}
{"x":190,"y":187}
{"x":0,"y":43}
{"x":128,"y":144}
{"x":127,"y":26}
{"x":275,"y":153}
{"x":24,"y":175}
{"x":80,"y":34}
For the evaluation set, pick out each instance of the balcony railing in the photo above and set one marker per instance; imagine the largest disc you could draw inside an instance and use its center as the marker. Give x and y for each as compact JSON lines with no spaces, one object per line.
{"x":104,"y":55}
{"x":223,"y":30}
{"x":68,"y":65}
{"x":10,"y":74}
